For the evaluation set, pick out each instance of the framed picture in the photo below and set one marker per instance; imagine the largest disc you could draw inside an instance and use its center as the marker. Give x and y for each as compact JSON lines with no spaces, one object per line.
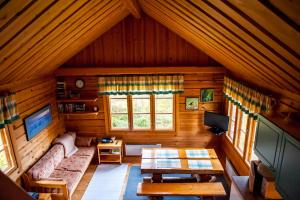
{"x":207,"y":95}
{"x":191,"y":103}
{"x":38,"y":121}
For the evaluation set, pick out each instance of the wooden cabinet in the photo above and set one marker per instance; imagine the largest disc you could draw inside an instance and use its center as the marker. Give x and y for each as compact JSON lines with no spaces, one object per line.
{"x":288,"y":172}
{"x":110,"y":152}
{"x":281,"y":152}
{"x":267,"y":142}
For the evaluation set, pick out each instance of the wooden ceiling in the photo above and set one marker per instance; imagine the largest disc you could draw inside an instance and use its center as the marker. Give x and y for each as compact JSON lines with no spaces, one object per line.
{"x":38,"y":36}
{"x":139,"y":42}
{"x":258,"y":41}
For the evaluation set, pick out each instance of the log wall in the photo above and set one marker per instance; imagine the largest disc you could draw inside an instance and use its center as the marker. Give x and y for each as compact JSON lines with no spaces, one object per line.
{"x":30,"y":97}
{"x":190,"y":130}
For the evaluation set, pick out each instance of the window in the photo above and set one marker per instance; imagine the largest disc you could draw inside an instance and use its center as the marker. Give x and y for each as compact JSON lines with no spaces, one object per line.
{"x":7,"y":162}
{"x":142,"y":112}
{"x":119,"y":112}
{"x":251,"y":155}
{"x":232,"y":115}
{"x":241,"y":132}
{"x":164,"y":112}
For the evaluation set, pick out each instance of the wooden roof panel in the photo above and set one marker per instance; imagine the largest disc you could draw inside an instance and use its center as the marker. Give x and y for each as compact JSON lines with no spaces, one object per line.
{"x":257,"y":40}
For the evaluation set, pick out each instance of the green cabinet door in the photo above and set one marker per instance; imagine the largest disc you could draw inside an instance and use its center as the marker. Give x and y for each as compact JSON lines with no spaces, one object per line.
{"x":267,"y":142}
{"x":288,"y":169}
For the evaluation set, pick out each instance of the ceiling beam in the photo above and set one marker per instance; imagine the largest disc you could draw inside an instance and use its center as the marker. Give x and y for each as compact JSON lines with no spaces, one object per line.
{"x":133,"y":7}
{"x":88,"y":71}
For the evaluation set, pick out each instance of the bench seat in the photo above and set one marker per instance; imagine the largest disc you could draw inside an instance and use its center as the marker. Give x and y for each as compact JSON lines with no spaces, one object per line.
{"x":181,"y":189}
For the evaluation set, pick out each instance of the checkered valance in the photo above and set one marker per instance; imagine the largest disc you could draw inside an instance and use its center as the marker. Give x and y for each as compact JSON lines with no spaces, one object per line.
{"x":250,"y":101}
{"x":140,"y":84}
{"x":8,"y":111}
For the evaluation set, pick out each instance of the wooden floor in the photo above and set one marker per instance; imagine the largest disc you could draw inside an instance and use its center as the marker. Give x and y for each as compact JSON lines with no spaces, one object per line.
{"x":81,"y":188}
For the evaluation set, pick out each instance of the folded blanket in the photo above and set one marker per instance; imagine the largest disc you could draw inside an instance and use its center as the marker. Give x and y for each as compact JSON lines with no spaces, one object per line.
{"x":68,"y":142}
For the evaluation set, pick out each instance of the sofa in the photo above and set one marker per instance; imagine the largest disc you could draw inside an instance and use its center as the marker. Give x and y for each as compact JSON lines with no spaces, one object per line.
{"x":59,"y":173}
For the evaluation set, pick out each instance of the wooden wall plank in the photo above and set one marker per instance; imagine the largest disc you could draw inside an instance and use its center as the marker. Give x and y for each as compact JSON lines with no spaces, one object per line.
{"x":190,"y":128}
{"x":29,"y":100}
{"x":138,"y":42}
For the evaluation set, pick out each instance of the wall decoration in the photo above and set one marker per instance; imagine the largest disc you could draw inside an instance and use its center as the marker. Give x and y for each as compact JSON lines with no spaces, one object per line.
{"x":60,"y":89}
{"x":207,"y":95}
{"x":38,"y":121}
{"x":191,"y":103}
{"x":79,"y":83}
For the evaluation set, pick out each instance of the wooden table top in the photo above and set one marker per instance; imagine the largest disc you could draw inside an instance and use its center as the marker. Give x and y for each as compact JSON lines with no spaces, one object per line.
{"x":171,"y":153}
{"x":181,"y":166}
{"x":115,"y":144}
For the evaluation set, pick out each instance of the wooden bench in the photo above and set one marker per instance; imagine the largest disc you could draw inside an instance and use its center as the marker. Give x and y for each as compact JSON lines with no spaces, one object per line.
{"x":156,"y":190}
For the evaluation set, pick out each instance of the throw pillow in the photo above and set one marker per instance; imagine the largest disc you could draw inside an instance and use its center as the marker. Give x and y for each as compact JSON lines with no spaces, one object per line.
{"x":83,"y":141}
{"x":68,"y":142}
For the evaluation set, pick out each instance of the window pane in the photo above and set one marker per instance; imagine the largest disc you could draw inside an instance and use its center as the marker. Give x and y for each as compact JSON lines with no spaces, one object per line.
{"x":143,"y":96}
{"x":164,"y":105}
{"x":244,"y":122}
{"x":118,"y":96}
{"x":164,"y":121}
{"x":118,"y":105}
{"x":231,"y":133}
{"x":233,"y":114}
{"x":141,"y":105}
{"x":141,"y":121}
{"x":164,"y":96}
{"x":119,"y":121}
{"x":4,"y":165}
{"x":241,"y":142}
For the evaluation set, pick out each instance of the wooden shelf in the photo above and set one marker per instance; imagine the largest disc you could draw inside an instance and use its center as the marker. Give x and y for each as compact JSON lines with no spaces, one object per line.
{"x":105,"y":152}
{"x":81,"y":113}
{"x":86,"y":99}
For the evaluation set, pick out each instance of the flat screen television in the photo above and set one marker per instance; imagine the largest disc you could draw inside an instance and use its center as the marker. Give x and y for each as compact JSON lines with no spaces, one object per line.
{"x":38,"y":121}
{"x":217,"y":122}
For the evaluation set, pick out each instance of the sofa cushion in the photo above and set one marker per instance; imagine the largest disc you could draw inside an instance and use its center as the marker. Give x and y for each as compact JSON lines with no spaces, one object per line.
{"x":86,"y":151}
{"x":74,"y":163}
{"x":68,"y":143}
{"x":57,"y":152}
{"x":43,"y":168}
{"x":72,"y":178}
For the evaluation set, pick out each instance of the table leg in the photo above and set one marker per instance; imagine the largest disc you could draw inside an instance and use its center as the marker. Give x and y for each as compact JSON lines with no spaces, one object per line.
{"x":204,"y":177}
{"x":156,"y":178}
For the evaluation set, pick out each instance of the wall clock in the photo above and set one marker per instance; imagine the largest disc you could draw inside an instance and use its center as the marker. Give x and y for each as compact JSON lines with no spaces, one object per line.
{"x":79,"y":83}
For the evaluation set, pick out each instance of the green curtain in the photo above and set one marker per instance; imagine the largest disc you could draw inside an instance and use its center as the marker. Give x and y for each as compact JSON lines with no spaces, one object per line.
{"x":250,"y":101}
{"x":8,"y":111}
{"x":140,"y":84}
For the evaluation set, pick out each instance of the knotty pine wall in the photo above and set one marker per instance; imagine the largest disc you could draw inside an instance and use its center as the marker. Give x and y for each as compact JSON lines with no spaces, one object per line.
{"x":30,"y":97}
{"x":190,"y":129}
{"x":139,"y":42}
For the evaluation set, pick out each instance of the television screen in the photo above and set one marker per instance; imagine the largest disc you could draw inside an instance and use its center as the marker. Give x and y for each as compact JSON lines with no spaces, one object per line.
{"x":38,"y":121}
{"x":215,"y":120}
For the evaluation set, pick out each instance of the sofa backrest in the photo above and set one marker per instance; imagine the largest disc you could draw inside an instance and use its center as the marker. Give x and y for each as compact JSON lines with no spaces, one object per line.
{"x":46,"y":165}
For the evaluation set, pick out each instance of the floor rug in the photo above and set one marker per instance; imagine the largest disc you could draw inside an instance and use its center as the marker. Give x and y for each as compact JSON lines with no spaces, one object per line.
{"x":106,"y":183}
{"x":136,"y":177}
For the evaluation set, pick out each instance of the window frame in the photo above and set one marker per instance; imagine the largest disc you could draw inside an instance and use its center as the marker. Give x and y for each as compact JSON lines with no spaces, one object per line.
{"x":246,"y":152}
{"x":9,"y":150}
{"x":130,"y":128}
